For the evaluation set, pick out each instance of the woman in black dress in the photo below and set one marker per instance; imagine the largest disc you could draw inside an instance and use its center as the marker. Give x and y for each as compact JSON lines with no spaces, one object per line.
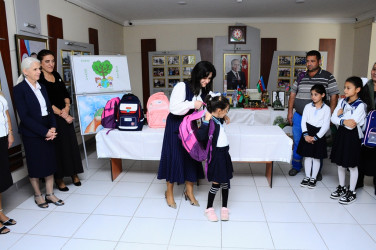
{"x":38,"y":130}
{"x":67,"y":152}
{"x":6,"y":140}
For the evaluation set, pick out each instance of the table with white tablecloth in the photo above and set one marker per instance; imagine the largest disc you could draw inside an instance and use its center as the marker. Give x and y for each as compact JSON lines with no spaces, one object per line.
{"x":255,"y":117}
{"x":264,"y":144}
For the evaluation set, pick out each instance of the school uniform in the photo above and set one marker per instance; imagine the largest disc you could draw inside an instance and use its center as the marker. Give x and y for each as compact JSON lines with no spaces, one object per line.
{"x":347,"y":142}
{"x":36,"y":115}
{"x":315,"y":122}
{"x":5,"y":175}
{"x":176,"y":165}
{"x":220,"y":167}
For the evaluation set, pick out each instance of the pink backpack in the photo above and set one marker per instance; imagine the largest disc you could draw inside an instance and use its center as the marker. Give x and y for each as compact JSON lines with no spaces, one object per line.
{"x":187,"y":135}
{"x":110,"y":112}
{"x":158,"y":110}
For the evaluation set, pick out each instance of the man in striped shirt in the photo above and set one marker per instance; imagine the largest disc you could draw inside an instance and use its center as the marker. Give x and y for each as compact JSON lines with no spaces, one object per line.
{"x":301,"y":95}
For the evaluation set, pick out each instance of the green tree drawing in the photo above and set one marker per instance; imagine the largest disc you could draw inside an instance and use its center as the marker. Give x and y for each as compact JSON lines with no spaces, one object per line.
{"x":102,"y":68}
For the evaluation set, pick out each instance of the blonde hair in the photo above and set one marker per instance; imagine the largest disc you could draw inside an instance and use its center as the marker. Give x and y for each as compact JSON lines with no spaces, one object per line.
{"x":26,"y":64}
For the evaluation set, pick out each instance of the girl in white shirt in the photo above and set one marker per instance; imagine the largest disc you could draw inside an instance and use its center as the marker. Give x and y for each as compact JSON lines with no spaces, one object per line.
{"x":349,"y":116}
{"x":312,"y":144}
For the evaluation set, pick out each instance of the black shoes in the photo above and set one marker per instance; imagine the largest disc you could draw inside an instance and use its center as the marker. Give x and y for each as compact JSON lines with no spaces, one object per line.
{"x":77,"y":183}
{"x":319,"y":177}
{"x":340,"y":191}
{"x":349,"y":198}
{"x":305,"y":182}
{"x":293,"y":172}
{"x":312,"y":183}
{"x":57,"y":203}
{"x":41,"y":205}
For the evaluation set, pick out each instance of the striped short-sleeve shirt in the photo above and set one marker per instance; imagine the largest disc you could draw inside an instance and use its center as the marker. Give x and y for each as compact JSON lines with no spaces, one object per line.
{"x":303,"y":90}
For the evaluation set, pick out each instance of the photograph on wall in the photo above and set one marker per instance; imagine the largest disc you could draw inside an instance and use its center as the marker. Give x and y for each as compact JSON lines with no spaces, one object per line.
{"x":284,"y":72}
{"x":65,"y":57}
{"x":90,"y":109}
{"x":173,"y":60}
{"x":187,"y":71}
{"x":188,"y":59}
{"x":99,"y":74}
{"x":300,"y":61}
{"x":67,"y":74}
{"x":236,"y":69}
{"x":173,"y":71}
{"x":284,"y":60}
{"x":27,"y":45}
{"x":298,"y":70}
{"x":159,"y":83}
{"x":159,"y":71}
{"x":158,"y":60}
{"x":284,"y":84}
{"x":173,"y":82}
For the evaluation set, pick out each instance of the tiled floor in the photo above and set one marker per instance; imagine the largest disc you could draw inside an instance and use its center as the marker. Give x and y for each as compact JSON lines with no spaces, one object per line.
{"x":131,"y":213}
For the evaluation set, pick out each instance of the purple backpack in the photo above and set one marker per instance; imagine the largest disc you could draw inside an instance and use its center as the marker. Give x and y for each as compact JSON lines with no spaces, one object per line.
{"x":110,"y":112}
{"x":187,"y":130}
{"x":369,"y":139}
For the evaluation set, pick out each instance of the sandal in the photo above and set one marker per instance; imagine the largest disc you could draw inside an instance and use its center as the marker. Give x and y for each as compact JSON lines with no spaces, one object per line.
{"x":4,"y":228}
{"x":9,"y":222}
{"x":57,"y":203}
{"x":41,"y":205}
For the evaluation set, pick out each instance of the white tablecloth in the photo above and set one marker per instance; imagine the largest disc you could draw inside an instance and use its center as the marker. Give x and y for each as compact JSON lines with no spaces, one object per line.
{"x":258,"y":117}
{"x":247,"y":143}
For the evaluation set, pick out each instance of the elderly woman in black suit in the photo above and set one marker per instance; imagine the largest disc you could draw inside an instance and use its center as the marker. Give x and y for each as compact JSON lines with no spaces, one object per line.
{"x":38,"y":130}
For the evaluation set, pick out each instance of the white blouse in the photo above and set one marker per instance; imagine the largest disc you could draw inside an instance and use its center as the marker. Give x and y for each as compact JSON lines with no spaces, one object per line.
{"x":39,"y":95}
{"x":3,"y":117}
{"x":316,"y":117}
{"x":178,"y":104}
{"x":358,"y":114}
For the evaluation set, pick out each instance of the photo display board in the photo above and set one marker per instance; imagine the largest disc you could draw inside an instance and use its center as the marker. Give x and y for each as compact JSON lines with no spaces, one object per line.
{"x":93,"y":74}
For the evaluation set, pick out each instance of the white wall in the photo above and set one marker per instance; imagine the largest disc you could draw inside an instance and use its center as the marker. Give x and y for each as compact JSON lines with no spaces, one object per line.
{"x":363,"y":31}
{"x":291,"y":37}
{"x":372,"y":51}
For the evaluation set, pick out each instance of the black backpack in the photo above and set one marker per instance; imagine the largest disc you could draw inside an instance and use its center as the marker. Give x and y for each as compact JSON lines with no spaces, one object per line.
{"x":131,"y":115}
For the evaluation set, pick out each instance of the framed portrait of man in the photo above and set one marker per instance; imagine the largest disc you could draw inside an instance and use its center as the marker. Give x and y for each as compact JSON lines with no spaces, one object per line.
{"x":236,"y":69}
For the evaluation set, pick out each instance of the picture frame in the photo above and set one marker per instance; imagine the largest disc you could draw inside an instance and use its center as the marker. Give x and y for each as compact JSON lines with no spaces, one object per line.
{"x":284,"y":84}
{"x":159,"y":83}
{"x":241,"y":63}
{"x":284,"y":72}
{"x":65,"y":57}
{"x":278,"y":95}
{"x":26,"y":45}
{"x":158,"y":60}
{"x":86,"y":53}
{"x":299,"y":60}
{"x":173,"y":60}
{"x":67,"y":74}
{"x":75,"y":52}
{"x":187,"y":71}
{"x":173,"y":71}
{"x":172,"y":82}
{"x":298,"y":70}
{"x":237,"y":34}
{"x":284,"y":60}
{"x":188,"y":59}
{"x":158,"y":71}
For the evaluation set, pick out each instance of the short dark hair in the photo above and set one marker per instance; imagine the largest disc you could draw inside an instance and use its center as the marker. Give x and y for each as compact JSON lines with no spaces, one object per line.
{"x":43,"y":53}
{"x":319,"y":88}
{"x":314,"y":53}
{"x":200,"y":71}
{"x":216,"y":102}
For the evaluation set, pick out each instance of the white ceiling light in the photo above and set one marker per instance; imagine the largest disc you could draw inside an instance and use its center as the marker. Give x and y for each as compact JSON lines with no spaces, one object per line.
{"x":239,"y":1}
{"x":182,"y":3}
{"x":299,"y":1}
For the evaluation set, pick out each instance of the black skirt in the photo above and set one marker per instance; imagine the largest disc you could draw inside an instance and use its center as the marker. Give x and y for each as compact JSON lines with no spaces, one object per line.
{"x":316,"y":150}
{"x":5,"y":176}
{"x":367,"y":161}
{"x":67,"y":152}
{"x":176,"y":165}
{"x":220,"y":168}
{"x":346,"y":148}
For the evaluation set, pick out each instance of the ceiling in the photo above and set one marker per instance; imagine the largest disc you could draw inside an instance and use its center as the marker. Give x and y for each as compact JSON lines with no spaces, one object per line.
{"x":138,"y":12}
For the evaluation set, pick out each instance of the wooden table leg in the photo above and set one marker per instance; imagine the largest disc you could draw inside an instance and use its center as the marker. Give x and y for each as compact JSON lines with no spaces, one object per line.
{"x":269,"y":173}
{"x":116,"y":168}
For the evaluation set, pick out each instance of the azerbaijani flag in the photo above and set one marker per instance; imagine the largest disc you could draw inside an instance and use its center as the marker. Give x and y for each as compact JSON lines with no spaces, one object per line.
{"x":261,"y":85}
{"x":244,"y":64}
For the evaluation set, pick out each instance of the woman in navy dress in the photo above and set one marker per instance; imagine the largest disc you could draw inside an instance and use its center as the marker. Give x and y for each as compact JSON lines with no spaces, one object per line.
{"x":38,"y":130}
{"x":176,"y":165}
